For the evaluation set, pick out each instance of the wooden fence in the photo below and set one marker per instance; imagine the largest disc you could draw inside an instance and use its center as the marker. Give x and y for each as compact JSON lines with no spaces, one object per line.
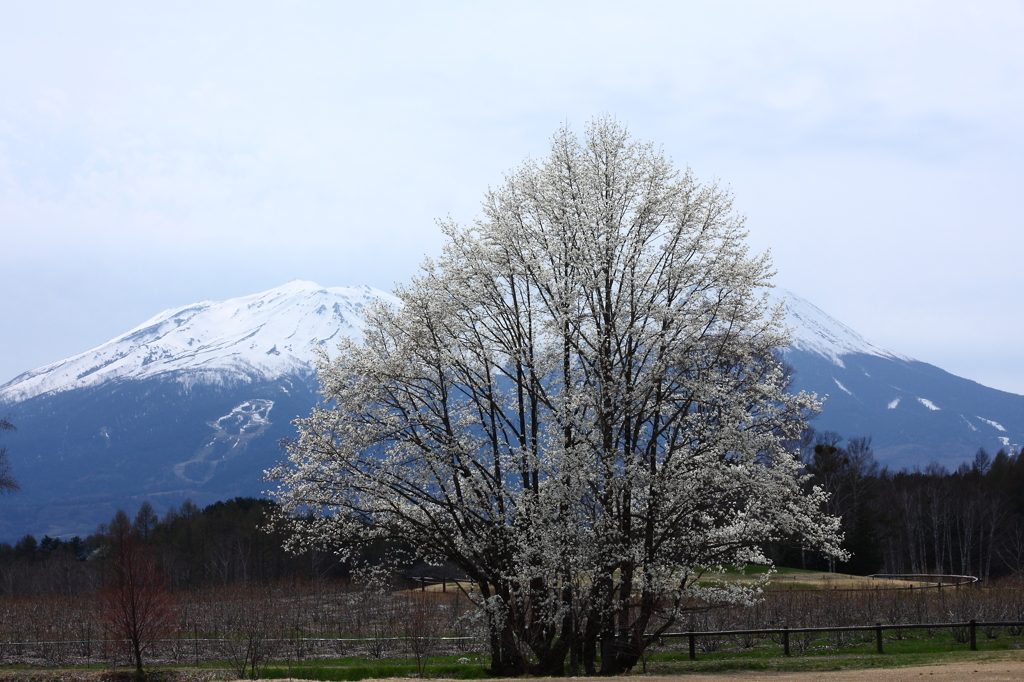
{"x":971,"y":625}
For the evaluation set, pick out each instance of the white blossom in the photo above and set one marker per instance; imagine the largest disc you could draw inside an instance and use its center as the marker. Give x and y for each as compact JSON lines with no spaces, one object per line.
{"x":578,"y":403}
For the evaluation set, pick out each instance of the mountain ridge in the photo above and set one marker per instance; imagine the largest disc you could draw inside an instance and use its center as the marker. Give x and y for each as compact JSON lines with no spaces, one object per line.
{"x":156,"y":347}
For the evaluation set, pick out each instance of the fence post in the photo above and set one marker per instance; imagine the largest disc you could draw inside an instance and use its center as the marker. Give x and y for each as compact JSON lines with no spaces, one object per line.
{"x":785,"y":640}
{"x":878,"y":637}
{"x":693,"y":646}
{"x":974,"y":635}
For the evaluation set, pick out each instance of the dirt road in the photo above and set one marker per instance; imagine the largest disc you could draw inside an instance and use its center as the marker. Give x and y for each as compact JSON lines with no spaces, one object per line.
{"x":978,"y":671}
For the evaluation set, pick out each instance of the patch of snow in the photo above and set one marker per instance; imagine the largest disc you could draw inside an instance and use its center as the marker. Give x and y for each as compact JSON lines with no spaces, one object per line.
{"x":894,"y":403}
{"x":841,"y":387}
{"x":992,"y":423}
{"x":814,"y":331}
{"x":1005,"y":441}
{"x":232,"y":433}
{"x":968,"y":422}
{"x":259,"y":337}
{"x":929,"y":404}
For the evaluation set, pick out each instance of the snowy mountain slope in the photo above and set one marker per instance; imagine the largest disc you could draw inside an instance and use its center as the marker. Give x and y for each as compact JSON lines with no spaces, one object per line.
{"x":814,"y":331}
{"x":251,"y":338}
{"x":915,"y":412}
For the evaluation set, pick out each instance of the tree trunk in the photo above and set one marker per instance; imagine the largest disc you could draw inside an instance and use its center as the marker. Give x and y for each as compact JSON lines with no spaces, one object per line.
{"x":137,"y":646}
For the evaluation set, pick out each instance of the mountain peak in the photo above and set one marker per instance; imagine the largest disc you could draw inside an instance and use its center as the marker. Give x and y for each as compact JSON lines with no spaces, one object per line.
{"x":814,"y":331}
{"x":298,"y":285}
{"x":257,"y":337}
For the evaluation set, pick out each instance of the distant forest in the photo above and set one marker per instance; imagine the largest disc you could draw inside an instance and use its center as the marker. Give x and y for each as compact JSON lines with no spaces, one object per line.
{"x":969,"y":521}
{"x":224,"y":543}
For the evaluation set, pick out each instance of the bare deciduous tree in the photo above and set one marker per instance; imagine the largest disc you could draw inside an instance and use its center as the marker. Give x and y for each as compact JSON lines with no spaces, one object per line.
{"x":253,"y":619}
{"x":134,"y":605}
{"x":421,"y":627}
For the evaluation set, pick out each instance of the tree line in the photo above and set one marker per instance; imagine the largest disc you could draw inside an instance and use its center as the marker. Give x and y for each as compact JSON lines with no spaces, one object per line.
{"x":223,"y":543}
{"x":926,"y":520}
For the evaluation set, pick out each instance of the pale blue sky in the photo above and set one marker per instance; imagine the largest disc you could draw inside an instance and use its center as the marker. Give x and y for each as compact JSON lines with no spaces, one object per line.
{"x":152,"y":156}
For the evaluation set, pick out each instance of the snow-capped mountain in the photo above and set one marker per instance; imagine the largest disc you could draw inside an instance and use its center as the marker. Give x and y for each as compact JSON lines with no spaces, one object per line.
{"x":915,"y":412}
{"x":192,"y":404}
{"x":253,"y":338}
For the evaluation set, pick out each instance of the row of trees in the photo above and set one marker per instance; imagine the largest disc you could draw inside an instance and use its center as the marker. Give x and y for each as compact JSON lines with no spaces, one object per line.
{"x":223,"y":543}
{"x":838,"y":608}
{"x":121,"y":574}
{"x":969,"y":521}
{"x":131,"y":605}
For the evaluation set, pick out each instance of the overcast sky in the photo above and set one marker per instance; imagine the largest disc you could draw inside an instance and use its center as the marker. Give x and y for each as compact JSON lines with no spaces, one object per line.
{"x":153,"y":155}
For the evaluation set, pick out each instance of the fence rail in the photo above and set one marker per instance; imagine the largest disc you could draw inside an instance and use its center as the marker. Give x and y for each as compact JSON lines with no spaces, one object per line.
{"x":785,"y":632}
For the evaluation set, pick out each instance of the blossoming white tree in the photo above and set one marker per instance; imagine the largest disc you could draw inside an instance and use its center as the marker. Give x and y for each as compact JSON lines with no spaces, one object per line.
{"x":578,"y":403}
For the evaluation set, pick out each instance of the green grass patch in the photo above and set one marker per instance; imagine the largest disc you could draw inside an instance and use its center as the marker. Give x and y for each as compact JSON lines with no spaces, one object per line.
{"x":918,"y":647}
{"x":352,"y":668}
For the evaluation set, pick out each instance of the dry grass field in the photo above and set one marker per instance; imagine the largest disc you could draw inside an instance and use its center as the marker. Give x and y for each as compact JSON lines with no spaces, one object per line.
{"x":784,"y":578}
